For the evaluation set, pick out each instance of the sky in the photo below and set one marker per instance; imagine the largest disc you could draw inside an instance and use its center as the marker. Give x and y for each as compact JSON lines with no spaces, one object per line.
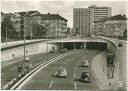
{"x":63,"y":8}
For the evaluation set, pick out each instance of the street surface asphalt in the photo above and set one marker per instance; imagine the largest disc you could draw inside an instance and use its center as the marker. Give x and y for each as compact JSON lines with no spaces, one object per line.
{"x":45,"y":79}
{"x":9,"y":69}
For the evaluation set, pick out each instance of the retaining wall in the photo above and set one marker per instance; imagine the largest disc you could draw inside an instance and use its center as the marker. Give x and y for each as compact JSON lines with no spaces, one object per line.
{"x":30,"y":50}
{"x":99,"y":67}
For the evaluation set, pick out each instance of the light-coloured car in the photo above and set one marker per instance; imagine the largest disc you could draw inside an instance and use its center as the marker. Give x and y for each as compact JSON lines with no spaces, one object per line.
{"x":62,"y":72}
{"x":85,"y":63}
{"x":86,"y":76}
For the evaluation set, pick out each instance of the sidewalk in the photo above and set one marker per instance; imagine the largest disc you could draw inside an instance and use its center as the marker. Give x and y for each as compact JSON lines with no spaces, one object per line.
{"x":3,"y":45}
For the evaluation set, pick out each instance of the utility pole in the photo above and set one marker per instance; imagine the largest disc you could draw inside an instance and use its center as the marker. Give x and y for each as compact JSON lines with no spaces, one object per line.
{"x":6,"y":34}
{"x":24,"y":38}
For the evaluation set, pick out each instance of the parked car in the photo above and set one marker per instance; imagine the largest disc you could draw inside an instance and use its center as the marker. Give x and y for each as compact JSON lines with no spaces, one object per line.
{"x":86,"y":76}
{"x":62,"y":72}
{"x":85,"y":63}
{"x":120,"y":45}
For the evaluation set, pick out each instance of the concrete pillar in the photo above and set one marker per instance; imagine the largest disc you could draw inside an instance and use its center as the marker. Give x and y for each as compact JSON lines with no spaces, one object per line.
{"x":62,"y":46}
{"x":74,"y":46}
{"x":84,"y":46}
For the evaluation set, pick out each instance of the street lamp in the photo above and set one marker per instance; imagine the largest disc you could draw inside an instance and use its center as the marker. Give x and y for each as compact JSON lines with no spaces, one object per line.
{"x":25,"y":16}
{"x":24,"y":32}
{"x":47,"y":38}
{"x":6,"y":34}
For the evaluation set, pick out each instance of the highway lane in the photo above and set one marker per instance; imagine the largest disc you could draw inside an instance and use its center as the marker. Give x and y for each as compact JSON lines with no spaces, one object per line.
{"x":10,"y":71}
{"x":45,"y":78}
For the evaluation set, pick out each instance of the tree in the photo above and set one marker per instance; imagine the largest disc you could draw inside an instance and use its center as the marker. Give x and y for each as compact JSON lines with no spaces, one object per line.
{"x":125,"y":34}
{"x":6,"y":25}
{"x":38,"y":31}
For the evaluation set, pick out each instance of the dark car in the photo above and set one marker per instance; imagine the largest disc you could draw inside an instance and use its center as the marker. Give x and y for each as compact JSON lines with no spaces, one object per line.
{"x":120,"y":45}
{"x":86,"y":76}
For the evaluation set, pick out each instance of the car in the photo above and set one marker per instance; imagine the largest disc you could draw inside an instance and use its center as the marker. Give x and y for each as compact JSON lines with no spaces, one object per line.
{"x":120,"y":45}
{"x":85,"y":76}
{"x":62,"y":72}
{"x":85,"y":63}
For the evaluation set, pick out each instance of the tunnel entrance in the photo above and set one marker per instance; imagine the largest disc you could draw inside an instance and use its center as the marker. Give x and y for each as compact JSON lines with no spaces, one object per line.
{"x":72,"y":45}
{"x":97,"y":46}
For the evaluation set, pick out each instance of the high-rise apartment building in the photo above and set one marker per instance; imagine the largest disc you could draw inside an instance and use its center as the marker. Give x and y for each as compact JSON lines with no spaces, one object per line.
{"x":83,"y":18}
{"x":100,"y":12}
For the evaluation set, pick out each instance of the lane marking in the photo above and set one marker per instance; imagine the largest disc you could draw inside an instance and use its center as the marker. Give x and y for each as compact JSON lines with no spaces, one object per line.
{"x":75,"y":85}
{"x":74,"y":75}
{"x":13,"y":68}
{"x":2,"y":73}
{"x":75,"y":68}
{"x":51,"y":84}
{"x":45,"y":64}
{"x":78,"y":62}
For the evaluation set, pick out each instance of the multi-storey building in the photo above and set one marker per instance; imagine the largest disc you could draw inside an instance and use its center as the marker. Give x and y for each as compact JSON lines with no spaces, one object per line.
{"x":81,"y":22}
{"x":36,"y":25}
{"x":83,"y":18}
{"x":15,"y":19}
{"x":56,"y":25}
{"x":27,"y":19}
{"x":99,"y":12}
{"x":114,"y":26}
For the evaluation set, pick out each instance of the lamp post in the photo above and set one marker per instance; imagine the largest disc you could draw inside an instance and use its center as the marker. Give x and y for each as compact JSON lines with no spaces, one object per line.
{"x":24,"y":31}
{"x":6,"y":33}
{"x":26,"y":17}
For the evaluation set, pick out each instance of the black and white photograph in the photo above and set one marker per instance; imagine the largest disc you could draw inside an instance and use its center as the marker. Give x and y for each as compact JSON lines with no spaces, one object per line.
{"x":64,"y":45}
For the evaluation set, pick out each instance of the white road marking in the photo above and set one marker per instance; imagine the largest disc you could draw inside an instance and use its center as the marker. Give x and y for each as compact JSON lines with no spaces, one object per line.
{"x":51,"y":84}
{"x":77,"y":64}
{"x":45,"y":64}
{"x":75,"y":68}
{"x":75,"y":85}
{"x":2,"y":73}
{"x":74,"y":75}
{"x":12,"y":68}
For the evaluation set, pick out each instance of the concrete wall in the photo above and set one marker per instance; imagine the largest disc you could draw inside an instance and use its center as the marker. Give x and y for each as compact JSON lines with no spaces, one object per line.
{"x":32,"y":49}
{"x":99,"y":67}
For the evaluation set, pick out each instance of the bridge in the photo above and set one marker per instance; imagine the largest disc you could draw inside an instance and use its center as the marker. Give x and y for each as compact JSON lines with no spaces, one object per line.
{"x":76,"y":50}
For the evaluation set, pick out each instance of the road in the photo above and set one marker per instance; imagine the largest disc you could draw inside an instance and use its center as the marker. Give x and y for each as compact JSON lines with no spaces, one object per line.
{"x":9,"y":69}
{"x":45,"y":79}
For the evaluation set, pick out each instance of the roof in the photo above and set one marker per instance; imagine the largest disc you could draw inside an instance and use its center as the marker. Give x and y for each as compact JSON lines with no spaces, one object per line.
{"x":52,"y":17}
{"x":101,"y":20}
{"x":116,"y":17}
{"x":27,"y":12}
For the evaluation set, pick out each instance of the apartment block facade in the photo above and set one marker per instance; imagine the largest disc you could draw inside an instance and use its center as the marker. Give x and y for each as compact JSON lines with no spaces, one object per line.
{"x":56,"y":24}
{"x":33,"y":23}
{"x":83,"y":18}
{"x":113,"y":26}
